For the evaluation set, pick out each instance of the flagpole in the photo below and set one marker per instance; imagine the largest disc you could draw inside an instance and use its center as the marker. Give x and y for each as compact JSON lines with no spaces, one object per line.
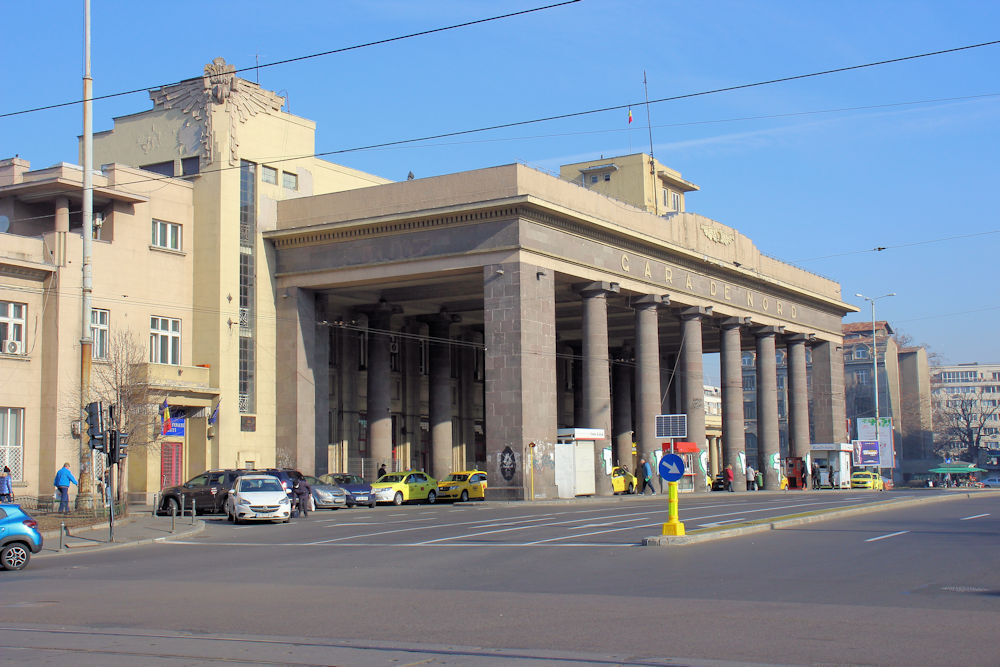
{"x":652,"y":162}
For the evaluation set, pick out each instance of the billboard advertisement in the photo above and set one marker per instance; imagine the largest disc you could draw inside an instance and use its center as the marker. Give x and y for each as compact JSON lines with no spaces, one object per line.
{"x":866,"y":431}
{"x":866,"y":453}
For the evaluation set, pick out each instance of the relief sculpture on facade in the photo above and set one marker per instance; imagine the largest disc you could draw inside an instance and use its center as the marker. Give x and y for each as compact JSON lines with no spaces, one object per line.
{"x":196,"y":99}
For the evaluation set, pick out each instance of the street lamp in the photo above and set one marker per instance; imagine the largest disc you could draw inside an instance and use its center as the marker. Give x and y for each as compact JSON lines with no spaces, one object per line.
{"x":872,"y":301}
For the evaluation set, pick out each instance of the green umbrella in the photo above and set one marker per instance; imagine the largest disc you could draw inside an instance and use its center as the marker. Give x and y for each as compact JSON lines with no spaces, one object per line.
{"x":970,"y":468}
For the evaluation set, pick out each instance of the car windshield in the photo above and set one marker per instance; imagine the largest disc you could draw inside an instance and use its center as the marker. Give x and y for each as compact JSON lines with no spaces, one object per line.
{"x":341,"y":478}
{"x":390,"y":479}
{"x":312,"y":481}
{"x":456,"y":477}
{"x":260,"y":485}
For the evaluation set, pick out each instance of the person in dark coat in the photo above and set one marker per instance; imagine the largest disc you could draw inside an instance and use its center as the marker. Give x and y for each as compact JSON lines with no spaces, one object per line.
{"x":302,"y":491}
{"x":381,"y":471}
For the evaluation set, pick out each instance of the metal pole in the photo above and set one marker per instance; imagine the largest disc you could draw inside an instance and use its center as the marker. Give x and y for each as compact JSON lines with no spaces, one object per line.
{"x":875,"y":375}
{"x":194,"y":510}
{"x":85,"y":489}
{"x":62,"y":533}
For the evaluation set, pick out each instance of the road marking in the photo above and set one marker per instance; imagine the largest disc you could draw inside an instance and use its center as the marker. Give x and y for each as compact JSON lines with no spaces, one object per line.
{"x":974,"y":516}
{"x":883,"y":537}
{"x":716,"y":524}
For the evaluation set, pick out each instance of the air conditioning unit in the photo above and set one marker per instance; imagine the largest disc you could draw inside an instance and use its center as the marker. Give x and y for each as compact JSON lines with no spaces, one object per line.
{"x":13,"y":347}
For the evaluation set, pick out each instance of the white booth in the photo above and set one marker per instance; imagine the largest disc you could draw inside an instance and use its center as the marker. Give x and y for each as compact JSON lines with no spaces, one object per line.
{"x":834,"y":461}
{"x":574,"y":461}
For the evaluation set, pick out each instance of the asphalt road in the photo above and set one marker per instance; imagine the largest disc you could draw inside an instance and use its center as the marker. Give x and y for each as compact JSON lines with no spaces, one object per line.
{"x":482,"y":583}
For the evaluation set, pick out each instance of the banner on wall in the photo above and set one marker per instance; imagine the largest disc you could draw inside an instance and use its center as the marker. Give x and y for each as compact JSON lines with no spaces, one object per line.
{"x":867,"y":431}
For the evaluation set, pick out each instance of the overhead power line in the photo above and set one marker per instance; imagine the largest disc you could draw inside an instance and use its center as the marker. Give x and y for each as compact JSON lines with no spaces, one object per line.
{"x":900,"y":245}
{"x":287,"y":61}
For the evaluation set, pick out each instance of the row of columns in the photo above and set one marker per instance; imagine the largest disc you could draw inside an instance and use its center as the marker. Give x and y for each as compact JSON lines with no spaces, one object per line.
{"x":596,"y":392}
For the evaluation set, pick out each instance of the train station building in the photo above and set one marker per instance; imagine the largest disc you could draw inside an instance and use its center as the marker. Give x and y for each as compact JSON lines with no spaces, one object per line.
{"x":302,"y":313}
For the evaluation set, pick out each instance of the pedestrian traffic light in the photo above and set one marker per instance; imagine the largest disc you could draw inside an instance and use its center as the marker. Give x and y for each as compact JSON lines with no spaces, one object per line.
{"x":95,"y":424}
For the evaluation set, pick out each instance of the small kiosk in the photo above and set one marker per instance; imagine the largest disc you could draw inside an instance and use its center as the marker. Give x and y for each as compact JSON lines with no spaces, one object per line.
{"x":834,"y":461}
{"x":574,"y":461}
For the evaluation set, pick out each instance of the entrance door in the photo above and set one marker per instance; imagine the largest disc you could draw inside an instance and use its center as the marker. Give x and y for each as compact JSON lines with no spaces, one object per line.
{"x":171,"y":464}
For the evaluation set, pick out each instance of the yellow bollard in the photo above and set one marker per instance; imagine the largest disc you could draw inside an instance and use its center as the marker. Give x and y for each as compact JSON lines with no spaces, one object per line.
{"x":672,"y":526}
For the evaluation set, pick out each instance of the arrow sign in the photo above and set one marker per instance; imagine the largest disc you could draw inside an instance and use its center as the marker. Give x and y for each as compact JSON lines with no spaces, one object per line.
{"x":671,"y":467}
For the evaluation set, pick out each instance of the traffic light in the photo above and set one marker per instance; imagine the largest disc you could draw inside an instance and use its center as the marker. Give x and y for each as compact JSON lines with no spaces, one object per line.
{"x":122,"y":448}
{"x":112,"y":446}
{"x":95,"y":425}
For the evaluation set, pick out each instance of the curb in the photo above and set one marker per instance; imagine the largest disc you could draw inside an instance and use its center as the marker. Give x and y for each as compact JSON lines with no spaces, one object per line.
{"x":198,"y":527}
{"x":798,"y":520}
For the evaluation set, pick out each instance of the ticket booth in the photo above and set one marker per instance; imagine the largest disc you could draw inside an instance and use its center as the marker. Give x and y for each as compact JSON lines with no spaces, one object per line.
{"x":574,"y":461}
{"x":834,"y":462}
{"x":686,"y":450}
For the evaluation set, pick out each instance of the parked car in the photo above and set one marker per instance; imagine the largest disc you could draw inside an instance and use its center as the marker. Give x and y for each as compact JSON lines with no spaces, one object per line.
{"x":19,"y":537}
{"x":256,"y":497}
{"x":404,"y":487}
{"x":991,"y":482}
{"x":867,"y":480}
{"x":622,"y":481}
{"x":358,"y":491}
{"x":206,"y":492}
{"x":887,"y":483}
{"x":326,"y":496}
{"x":463,"y":485}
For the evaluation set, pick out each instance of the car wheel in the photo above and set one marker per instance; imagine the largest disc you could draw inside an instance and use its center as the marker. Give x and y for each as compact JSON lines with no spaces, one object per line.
{"x":631,"y":488}
{"x":465,"y":496}
{"x":171,"y":506}
{"x":15,"y":556}
{"x":398,"y":498}
{"x":431,"y":497}
{"x":371,"y":506}
{"x":350,"y":505}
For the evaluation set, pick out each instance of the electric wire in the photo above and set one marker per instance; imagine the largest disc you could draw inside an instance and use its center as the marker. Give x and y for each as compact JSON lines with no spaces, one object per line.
{"x":286,"y":61}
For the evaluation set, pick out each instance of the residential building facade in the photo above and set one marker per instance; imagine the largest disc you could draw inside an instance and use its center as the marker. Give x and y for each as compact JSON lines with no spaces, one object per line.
{"x":967,"y":413}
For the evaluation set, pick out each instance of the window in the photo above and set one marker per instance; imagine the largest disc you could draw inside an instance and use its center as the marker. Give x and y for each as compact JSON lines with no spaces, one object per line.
{"x":959,"y":376}
{"x":607,"y":177}
{"x":862,"y":376}
{"x":166,"y":235}
{"x":290,"y":181}
{"x":12,"y":441}
{"x":860,"y":352}
{"x":161,"y":168}
{"x":11,"y":324}
{"x":748,"y":360}
{"x":749,"y":383}
{"x":593,"y":178}
{"x":164,"y":341}
{"x":269,"y":175}
{"x":676,"y":201}
{"x":99,"y":320}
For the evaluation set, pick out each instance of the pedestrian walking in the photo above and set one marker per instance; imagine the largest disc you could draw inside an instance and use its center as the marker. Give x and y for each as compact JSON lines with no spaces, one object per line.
{"x":759,"y":479}
{"x":751,"y":478}
{"x":381,"y":471}
{"x":647,"y":476}
{"x":6,"y":486}
{"x":835,"y":478}
{"x":815,"y":476}
{"x":729,"y":477}
{"x":62,"y":481}
{"x":302,"y":492}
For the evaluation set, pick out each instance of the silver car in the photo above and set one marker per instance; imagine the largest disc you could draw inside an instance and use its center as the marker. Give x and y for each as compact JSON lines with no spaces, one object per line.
{"x":326,"y":496}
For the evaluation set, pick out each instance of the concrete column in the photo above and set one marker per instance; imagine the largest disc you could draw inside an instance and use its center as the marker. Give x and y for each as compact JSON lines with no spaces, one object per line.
{"x":62,"y":227}
{"x":596,"y":373}
{"x":733,"y":438}
{"x":303,"y":381}
{"x":798,"y":396}
{"x":439,"y":393}
{"x":829,"y":416}
{"x":694,"y":387}
{"x":621,"y":413}
{"x":647,"y":371}
{"x":768,"y":446}
{"x":519,"y":332}
{"x":379,"y":384}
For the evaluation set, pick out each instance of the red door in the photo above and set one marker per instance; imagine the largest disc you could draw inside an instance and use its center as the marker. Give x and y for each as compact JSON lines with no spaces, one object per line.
{"x":171,"y":464}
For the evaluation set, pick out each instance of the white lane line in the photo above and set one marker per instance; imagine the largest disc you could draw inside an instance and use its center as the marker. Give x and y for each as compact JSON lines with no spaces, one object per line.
{"x":715,"y":524}
{"x":974,"y":516}
{"x":629,"y":517}
{"x":883,"y":537}
{"x":403,"y":530}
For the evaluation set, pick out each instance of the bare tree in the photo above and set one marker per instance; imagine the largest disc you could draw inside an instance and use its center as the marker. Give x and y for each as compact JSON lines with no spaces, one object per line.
{"x":121,"y":381}
{"x":959,"y":421}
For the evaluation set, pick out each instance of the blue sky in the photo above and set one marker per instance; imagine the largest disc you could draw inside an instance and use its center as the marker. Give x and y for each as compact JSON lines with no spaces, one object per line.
{"x":817,"y":172}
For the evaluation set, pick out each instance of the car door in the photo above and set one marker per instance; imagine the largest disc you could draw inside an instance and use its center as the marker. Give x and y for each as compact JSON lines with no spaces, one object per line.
{"x":477,"y":485}
{"x":418,"y":486}
{"x":196,"y":492}
{"x":219,"y":484}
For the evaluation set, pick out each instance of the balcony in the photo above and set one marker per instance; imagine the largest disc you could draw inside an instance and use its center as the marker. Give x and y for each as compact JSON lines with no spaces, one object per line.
{"x":190,"y":381}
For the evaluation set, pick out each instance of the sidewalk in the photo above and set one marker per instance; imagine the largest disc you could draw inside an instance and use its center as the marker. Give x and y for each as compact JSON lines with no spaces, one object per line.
{"x":139,"y":527}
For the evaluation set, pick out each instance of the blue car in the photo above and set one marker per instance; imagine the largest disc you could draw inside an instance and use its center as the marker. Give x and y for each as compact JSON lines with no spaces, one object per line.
{"x":19,"y":537}
{"x":359,"y":492}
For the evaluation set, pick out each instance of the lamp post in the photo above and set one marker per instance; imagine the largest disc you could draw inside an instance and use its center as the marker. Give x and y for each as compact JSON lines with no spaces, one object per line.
{"x":872,"y":301}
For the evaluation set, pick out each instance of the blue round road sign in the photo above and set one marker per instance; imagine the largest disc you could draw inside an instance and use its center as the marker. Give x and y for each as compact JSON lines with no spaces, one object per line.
{"x":671,"y":467}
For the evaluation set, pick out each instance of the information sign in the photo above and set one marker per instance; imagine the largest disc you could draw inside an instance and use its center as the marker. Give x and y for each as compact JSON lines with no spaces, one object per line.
{"x":671,"y":467}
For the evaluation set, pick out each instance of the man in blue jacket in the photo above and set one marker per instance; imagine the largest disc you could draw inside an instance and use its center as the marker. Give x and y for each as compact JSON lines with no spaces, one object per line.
{"x":62,"y":481}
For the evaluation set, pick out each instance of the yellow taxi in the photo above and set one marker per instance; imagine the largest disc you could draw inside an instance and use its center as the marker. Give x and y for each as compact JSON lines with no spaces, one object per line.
{"x":404,"y":487}
{"x":622,"y":481}
{"x":463,"y":485}
{"x":867,"y":480}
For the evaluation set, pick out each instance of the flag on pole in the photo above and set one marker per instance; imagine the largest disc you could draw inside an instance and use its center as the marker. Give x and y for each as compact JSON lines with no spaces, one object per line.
{"x":165,"y":417}
{"x":630,"y":115}
{"x":215,"y":413}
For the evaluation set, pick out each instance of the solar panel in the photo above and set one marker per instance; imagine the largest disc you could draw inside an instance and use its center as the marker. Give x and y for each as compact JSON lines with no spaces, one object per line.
{"x":671,"y":426}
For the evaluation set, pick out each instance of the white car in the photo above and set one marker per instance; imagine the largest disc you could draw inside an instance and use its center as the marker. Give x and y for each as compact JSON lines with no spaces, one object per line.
{"x":258,"y":498}
{"x":991,"y":482}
